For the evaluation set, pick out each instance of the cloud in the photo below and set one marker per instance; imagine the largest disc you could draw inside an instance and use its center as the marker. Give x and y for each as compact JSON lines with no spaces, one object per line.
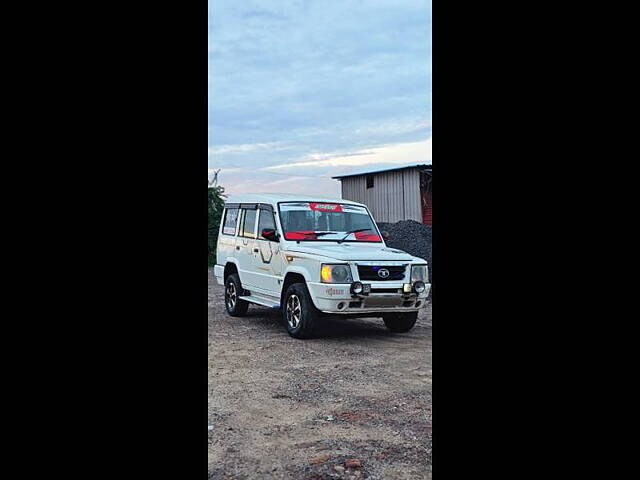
{"x":320,"y":85}
{"x":320,"y":186}
{"x":416,"y":152}
{"x":246,"y":147}
{"x":212,"y":171}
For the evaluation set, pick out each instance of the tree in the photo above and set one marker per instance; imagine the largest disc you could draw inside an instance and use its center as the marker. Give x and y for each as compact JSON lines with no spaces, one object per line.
{"x":216,"y":198}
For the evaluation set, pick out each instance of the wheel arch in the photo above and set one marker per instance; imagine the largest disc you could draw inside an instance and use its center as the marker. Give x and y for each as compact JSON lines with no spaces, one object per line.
{"x":229,"y":268}
{"x":291,"y":277}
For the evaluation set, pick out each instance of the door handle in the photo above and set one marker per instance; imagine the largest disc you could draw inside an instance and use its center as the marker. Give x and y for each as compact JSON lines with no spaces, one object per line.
{"x":237,"y":247}
{"x":256,"y":250}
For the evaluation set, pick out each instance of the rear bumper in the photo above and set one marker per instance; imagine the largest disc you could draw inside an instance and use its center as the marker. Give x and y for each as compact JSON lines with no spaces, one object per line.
{"x":218,"y":272}
{"x":337,"y":298}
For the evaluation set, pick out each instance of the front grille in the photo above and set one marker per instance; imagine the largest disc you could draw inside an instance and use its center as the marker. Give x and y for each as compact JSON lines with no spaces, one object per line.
{"x":370,"y":272}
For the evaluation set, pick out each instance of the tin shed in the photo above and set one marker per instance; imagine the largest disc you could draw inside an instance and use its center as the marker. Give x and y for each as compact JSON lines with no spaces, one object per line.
{"x":392,"y":195}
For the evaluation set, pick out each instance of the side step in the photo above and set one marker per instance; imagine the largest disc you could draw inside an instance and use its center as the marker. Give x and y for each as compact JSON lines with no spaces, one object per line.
{"x":264,"y":301}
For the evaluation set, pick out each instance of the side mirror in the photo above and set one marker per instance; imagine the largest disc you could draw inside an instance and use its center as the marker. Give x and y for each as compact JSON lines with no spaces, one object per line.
{"x":270,"y":234}
{"x":385,"y":235}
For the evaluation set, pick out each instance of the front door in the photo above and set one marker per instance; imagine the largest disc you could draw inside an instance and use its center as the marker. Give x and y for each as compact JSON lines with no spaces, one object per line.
{"x":267,"y":257}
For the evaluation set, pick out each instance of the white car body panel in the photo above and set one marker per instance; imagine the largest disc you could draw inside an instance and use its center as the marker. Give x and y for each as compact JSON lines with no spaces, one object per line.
{"x":263,"y":265}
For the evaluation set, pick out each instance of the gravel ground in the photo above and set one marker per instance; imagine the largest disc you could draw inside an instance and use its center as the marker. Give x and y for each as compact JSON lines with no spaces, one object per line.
{"x":354,"y":402}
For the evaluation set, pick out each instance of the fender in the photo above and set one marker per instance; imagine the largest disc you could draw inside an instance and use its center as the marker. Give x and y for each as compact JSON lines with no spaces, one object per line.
{"x":297,"y":269}
{"x":306,"y":275}
{"x":233,"y":261}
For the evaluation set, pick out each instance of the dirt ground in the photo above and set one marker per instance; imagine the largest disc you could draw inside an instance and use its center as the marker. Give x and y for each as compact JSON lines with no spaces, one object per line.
{"x":353,"y":402}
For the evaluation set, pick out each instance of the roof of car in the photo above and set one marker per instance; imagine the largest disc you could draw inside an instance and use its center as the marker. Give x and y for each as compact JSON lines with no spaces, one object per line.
{"x":274,"y":198}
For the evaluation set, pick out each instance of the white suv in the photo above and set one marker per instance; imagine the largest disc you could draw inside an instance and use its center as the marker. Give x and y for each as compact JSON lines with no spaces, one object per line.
{"x":310,"y":256}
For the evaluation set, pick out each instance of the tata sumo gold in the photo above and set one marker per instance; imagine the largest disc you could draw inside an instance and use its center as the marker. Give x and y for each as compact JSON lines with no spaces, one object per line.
{"x":311,"y":257}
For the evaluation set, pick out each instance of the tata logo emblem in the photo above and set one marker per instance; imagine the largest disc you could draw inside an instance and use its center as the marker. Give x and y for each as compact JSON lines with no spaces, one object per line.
{"x":383,"y":273}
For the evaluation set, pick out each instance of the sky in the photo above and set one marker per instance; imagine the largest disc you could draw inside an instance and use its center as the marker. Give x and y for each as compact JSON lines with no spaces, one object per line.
{"x":302,"y":90}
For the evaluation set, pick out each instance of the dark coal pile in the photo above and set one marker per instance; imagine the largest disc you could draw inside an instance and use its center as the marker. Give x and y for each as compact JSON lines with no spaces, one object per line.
{"x":411,"y":237}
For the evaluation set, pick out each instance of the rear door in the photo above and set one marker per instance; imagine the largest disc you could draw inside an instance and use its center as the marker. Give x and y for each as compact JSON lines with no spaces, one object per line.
{"x":245,"y":243}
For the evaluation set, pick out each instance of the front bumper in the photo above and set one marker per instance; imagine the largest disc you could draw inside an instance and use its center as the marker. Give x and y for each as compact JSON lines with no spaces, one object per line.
{"x":337,"y":298}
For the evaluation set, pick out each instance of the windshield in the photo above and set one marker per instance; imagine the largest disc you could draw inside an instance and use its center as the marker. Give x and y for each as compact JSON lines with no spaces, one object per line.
{"x":327,"y":221}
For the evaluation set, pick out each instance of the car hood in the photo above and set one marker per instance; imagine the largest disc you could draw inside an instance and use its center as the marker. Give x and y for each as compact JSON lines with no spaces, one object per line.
{"x":357,"y":252}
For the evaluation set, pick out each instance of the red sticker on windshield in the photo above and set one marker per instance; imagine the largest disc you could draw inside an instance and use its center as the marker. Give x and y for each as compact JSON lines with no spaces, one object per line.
{"x":367,"y":237}
{"x":326,"y":207}
{"x":301,"y":235}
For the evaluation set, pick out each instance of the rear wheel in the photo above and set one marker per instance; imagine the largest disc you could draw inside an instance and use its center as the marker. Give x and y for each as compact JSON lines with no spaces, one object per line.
{"x":299,"y":312}
{"x":400,"y":322}
{"x":232,"y":290}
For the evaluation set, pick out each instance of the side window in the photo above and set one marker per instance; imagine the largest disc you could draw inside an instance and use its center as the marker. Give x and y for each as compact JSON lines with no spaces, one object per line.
{"x":266,"y":221}
{"x":249,"y":224}
{"x":230,"y":221}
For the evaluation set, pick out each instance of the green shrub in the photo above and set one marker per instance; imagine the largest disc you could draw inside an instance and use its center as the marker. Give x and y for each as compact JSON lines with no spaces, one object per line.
{"x":215,"y":208}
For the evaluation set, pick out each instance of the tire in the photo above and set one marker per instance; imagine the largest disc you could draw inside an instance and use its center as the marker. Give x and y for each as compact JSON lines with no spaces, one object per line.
{"x":232,"y":289}
{"x":299,"y":313}
{"x":400,"y":322}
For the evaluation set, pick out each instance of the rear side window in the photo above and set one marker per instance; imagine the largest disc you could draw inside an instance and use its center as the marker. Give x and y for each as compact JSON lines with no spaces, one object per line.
{"x":230,"y":221}
{"x":249,"y":224}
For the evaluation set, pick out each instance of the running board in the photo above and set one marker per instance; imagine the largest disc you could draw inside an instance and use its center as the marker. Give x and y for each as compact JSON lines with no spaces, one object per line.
{"x":266,"y":302}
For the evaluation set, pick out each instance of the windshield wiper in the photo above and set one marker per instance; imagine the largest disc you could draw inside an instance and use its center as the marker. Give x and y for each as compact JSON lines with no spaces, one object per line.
{"x":317,"y":234}
{"x":354,"y":231}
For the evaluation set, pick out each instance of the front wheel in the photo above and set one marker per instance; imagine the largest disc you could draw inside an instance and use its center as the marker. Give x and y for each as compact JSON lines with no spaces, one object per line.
{"x":299,"y":312}
{"x":400,"y":322}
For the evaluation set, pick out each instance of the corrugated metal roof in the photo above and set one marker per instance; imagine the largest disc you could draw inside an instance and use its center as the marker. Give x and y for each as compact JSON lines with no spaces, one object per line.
{"x":421,"y":165}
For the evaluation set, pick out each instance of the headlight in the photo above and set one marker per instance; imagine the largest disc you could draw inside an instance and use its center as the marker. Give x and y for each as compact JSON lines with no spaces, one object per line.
{"x":336,"y":274}
{"x":419,"y":274}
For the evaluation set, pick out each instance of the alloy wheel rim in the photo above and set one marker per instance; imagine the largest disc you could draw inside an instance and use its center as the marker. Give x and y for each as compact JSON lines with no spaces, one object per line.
{"x":231,"y":295}
{"x":294,"y":311}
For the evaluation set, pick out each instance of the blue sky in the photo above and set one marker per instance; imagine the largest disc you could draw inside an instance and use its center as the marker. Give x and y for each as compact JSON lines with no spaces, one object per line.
{"x":303,"y":90}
